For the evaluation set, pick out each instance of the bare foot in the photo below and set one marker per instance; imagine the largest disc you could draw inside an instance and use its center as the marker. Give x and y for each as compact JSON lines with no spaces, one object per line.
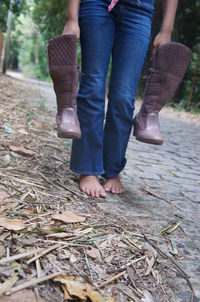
{"x":91,"y":186}
{"x":114,"y":185}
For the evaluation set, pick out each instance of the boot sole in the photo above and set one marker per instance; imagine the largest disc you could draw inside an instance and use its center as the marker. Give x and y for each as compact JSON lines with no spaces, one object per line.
{"x":149,"y":141}
{"x":68,"y":135}
{"x":145,"y":140}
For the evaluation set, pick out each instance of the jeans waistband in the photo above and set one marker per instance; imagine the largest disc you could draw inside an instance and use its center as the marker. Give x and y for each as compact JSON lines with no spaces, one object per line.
{"x":145,"y":4}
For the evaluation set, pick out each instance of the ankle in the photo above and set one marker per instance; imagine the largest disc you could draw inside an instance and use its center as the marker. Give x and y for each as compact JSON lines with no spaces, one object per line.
{"x":88,"y":177}
{"x":114,"y":177}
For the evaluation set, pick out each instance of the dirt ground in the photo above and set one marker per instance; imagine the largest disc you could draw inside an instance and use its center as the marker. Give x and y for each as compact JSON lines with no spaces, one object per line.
{"x":57,"y":244}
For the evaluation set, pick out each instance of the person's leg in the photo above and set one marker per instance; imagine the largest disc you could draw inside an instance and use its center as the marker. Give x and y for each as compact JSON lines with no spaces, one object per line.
{"x":97,"y":29}
{"x":129,"y":51}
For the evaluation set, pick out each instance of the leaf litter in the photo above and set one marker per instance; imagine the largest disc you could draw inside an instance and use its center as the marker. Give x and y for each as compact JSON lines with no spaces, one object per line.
{"x":56,"y":243}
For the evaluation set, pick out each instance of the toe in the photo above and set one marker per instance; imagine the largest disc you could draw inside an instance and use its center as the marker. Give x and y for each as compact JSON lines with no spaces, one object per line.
{"x":107,"y":189}
{"x":92,"y":193}
{"x":82,"y":188}
{"x":102,"y":193}
{"x":87,"y":191}
{"x":118,"y":190}
{"x":113,"y":190}
{"x":97,"y":193}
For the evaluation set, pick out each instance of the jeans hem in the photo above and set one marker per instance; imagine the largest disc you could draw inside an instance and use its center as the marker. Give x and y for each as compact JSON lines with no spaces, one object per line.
{"x":108,"y":176}
{"x":88,"y":173}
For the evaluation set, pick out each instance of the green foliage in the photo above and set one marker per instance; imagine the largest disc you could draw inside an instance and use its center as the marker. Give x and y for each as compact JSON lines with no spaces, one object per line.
{"x":29,"y":117}
{"x":22,"y":7}
{"x":186,"y":31}
{"x":4,"y":5}
{"x":45,"y":19}
{"x":50,"y":17}
{"x":41,"y":105}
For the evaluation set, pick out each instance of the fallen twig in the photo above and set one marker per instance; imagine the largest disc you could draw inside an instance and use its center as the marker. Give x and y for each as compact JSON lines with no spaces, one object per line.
{"x":131,"y":262}
{"x":87,"y":262}
{"x":64,"y":243}
{"x":110,"y":280}
{"x":68,"y":189}
{"x":157,"y":196}
{"x":38,"y":268}
{"x":179,"y":269}
{"x":22,"y":181}
{"x":134,"y":299}
{"x":17,"y":257}
{"x":134,"y":289}
{"x":44,"y":252}
{"x":32,"y":282}
{"x":132,"y":242}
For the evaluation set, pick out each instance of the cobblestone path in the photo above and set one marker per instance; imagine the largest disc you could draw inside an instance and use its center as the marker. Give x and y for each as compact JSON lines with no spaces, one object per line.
{"x":173,"y":172}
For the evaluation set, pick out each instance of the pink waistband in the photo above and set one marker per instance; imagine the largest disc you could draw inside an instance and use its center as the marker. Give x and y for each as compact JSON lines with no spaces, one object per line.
{"x":112,"y":4}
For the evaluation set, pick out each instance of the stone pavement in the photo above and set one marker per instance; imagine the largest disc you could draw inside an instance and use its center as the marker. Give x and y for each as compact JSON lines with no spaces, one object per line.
{"x":171,"y":171}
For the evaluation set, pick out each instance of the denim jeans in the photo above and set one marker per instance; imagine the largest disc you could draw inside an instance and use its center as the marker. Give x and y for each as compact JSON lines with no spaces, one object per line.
{"x":124,"y":34}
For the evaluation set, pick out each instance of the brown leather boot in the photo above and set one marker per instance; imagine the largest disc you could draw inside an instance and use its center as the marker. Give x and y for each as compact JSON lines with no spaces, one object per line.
{"x":167,"y":73}
{"x":63,"y":69}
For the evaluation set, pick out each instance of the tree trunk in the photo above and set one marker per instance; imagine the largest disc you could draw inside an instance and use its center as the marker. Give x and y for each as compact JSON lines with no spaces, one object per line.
{"x":1,"y":45}
{"x":7,"y":43}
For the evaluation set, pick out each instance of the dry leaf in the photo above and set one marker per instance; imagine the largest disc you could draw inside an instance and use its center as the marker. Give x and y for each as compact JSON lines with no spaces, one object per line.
{"x":4,"y":197}
{"x":94,"y":253}
{"x":147,"y":297}
{"x":30,"y":211}
{"x":170,"y":228}
{"x":75,"y":289}
{"x":65,"y":254}
{"x":12,"y":224}
{"x":156,"y":277}
{"x":5,"y":160}
{"x":150,"y":263}
{"x":8,"y":284}
{"x":172,"y":248}
{"x":23,"y":150}
{"x":73,"y":259}
{"x":4,"y":235}
{"x":22,"y":131}
{"x":22,"y":296}
{"x":109,"y":259}
{"x":12,"y":272}
{"x":68,"y":217}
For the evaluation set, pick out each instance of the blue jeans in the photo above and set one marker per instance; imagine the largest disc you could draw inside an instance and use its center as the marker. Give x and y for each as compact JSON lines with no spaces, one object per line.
{"x":124,"y":33}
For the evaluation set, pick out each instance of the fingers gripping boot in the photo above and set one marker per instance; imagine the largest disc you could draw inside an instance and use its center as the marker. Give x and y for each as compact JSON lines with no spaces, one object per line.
{"x":168,"y":70}
{"x":63,"y":69}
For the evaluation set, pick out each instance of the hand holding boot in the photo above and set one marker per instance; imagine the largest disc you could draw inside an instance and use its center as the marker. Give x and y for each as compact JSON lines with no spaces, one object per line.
{"x":63,"y":68}
{"x":170,"y":61}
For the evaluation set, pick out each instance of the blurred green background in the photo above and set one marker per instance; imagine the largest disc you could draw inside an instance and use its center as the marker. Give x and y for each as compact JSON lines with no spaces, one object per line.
{"x":35,"y":21}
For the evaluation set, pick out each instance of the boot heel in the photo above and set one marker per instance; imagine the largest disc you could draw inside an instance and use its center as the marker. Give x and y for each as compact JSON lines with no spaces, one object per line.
{"x":68,"y":135}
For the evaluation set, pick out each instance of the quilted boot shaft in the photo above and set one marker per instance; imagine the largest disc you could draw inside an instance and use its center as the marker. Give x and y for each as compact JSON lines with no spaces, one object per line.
{"x":167,"y":73}
{"x":63,"y":69}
